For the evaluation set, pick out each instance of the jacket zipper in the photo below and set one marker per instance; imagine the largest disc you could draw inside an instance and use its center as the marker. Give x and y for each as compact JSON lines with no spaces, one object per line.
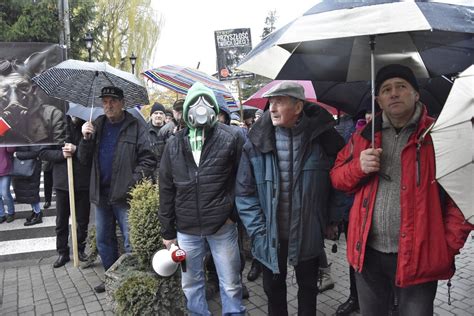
{"x":197,"y":201}
{"x":275,"y":242}
{"x":418,"y":164}
{"x":291,"y":191}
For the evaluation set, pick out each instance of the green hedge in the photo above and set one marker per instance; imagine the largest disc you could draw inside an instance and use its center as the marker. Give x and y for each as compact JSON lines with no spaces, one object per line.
{"x":142,"y":291}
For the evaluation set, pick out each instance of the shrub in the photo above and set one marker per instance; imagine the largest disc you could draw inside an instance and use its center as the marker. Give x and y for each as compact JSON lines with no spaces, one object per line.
{"x":143,"y":222}
{"x":136,"y":295}
{"x":141,"y":291}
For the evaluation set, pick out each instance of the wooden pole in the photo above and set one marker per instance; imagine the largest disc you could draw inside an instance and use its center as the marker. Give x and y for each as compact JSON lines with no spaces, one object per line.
{"x":72,"y":208}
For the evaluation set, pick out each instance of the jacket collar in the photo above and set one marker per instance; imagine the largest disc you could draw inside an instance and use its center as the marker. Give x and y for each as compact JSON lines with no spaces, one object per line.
{"x":262,"y":133}
{"x":128,"y":120}
{"x":152,"y":129}
{"x":421,"y":125}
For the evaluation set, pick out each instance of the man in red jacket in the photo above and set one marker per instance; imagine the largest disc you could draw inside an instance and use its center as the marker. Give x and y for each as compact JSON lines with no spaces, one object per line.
{"x":404,"y":230}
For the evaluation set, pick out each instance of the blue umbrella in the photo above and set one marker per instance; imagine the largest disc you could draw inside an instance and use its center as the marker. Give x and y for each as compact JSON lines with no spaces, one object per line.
{"x":84,"y":113}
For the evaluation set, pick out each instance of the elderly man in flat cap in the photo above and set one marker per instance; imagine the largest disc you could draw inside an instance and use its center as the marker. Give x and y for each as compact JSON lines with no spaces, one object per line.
{"x":283,"y":192}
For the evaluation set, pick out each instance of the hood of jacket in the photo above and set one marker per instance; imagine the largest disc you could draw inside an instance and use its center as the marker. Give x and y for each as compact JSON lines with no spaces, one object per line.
{"x":197,"y":90}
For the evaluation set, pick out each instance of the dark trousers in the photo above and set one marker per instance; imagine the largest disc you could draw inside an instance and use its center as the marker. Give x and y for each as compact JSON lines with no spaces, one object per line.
{"x":274,"y":285}
{"x":48,"y":185}
{"x":376,"y":284}
{"x":83,"y":208}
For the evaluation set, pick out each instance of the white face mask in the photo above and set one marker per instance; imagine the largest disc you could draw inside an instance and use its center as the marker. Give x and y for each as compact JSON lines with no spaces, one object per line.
{"x":201,"y":113}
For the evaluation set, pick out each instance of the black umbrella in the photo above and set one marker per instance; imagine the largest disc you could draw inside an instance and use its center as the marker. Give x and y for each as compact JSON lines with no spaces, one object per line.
{"x":349,"y":42}
{"x":355,"y":97}
{"x":330,"y":42}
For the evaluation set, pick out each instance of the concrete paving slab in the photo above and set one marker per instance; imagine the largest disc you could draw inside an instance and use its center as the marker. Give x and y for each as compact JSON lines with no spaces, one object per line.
{"x":34,"y":287}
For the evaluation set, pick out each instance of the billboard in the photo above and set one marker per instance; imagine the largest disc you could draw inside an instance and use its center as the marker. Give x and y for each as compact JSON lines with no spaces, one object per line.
{"x":27,"y":115}
{"x":231,"y":47}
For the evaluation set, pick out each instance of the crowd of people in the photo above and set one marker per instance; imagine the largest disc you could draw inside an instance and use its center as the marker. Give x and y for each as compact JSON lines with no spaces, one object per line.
{"x":289,"y":179}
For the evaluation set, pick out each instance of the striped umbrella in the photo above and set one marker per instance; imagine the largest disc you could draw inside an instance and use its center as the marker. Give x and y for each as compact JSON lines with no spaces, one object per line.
{"x":80,"y":82}
{"x":180,"y":79}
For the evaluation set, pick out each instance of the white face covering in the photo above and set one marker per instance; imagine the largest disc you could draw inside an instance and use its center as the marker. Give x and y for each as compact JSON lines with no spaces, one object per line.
{"x":201,"y":114}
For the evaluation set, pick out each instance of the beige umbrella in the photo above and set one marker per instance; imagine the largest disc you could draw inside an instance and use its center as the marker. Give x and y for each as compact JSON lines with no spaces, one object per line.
{"x":453,"y":140}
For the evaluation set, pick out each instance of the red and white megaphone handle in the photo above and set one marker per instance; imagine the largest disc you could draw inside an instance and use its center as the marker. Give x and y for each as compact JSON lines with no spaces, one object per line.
{"x":178,"y":255}
{"x":165,"y":261}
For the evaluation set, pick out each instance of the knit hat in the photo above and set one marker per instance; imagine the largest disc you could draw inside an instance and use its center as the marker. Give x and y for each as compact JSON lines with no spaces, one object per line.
{"x":286,"y":88}
{"x":395,"y":71}
{"x":157,"y":107}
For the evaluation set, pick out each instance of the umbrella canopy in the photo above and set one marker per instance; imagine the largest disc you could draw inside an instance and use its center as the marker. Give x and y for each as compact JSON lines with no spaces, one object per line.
{"x":345,"y":43}
{"x":257,"y":100}
{"x":355,"y":97}
{"x":453,"y":140}
{"x":180,"y":79}
{"x":80,"y":82}
{"x":431,"y":38}
{"x":84,"y":113}
{"x":244,"y":107}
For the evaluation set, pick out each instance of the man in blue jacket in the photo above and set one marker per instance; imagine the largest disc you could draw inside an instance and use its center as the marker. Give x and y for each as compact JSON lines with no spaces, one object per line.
{"x":117,"y":147}
{"x":283,"y":193}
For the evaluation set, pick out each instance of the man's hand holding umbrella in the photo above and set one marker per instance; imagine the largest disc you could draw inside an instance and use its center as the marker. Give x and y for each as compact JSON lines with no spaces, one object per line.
{"x":88,"y":130}
{"x":370,"y":160}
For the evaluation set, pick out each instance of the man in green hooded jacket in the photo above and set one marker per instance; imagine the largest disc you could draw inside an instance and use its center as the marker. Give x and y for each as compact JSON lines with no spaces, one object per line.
{"x":197,"y":173}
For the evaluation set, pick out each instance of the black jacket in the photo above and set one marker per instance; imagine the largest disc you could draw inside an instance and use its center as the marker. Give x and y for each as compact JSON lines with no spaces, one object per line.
{"x":198,"y":200}
{"x":54,"y":154}
{"x":27,"y":188}
{"x":133,"y":159}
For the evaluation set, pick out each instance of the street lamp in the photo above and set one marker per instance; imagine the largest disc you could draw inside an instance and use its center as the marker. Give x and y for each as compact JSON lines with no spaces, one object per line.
{"x":133,"y":61}
{"x":89,"y":40}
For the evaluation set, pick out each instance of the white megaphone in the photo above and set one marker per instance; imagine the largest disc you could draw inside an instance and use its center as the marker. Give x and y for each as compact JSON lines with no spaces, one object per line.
{"x":165,"y":262}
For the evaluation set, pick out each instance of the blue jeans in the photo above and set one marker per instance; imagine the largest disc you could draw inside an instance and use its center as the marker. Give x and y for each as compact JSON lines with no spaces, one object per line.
{"x":6,"y":196}
{"x":36,"y":207}
{"x":225,"y":251}
{"x":106,"y":216}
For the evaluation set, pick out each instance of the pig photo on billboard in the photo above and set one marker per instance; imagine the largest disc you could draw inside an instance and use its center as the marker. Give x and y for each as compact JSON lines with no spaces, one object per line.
{"x":26,"y":116}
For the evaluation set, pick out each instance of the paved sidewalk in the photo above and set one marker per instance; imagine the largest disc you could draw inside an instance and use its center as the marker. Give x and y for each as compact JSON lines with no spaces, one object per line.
{"x":34,"y":287}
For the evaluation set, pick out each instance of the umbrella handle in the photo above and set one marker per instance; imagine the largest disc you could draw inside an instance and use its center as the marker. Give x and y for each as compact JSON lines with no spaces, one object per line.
{"x":372,"y":84}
